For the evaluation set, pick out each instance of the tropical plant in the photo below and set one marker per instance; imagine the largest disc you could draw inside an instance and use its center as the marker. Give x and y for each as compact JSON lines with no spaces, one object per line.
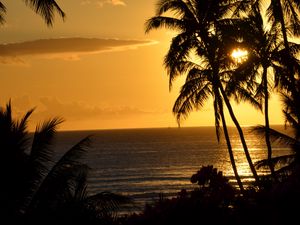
{"x":44,"y":8}
{"x":266,"y":59}
{"x":290,"y":163}
{"x":39,"y":190}
{"x":200,"y":26}
{"x":284,"y":13}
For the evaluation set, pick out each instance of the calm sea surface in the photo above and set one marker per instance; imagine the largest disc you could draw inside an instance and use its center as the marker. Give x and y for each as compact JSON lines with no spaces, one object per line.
{"x":142,"y":163}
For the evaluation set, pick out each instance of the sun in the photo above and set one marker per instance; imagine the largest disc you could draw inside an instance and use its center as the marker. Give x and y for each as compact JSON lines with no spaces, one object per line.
{"x":239,"y":55}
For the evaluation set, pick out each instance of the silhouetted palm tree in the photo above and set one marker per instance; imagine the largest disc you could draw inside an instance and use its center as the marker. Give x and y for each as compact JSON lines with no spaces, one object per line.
{"x":266,"y":59}
{"x":284,"y":13}
{"x":37,"y":189}
{"x":290,"y":163}
{"x":45,"y":8}
{"x":198,"y":24}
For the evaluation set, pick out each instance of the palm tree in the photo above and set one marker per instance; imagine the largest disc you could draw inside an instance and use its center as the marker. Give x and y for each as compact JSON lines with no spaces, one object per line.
{"x":266,"y":51}
{"x":36,"y":188}
{"x":44,"y":8}
{"x":198,"y":24}
{"x":287,"y":164}
{"x":199,"y":86}
{"x":26,"y":165}
{"x":286,"y":14}
{"x":266,"y":57}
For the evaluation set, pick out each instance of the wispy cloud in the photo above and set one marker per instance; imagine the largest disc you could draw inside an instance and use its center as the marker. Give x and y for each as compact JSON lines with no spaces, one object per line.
{"x":83,"y":115}
{"x":66,"y":48}
{"x":81,"y":110}
{"x":85,"y":2}
{"x":46,"y":107}
{"x":101,"y":3}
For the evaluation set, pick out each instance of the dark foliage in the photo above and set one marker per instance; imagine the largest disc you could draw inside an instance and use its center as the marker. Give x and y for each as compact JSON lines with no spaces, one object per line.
{"x":35,"y":189}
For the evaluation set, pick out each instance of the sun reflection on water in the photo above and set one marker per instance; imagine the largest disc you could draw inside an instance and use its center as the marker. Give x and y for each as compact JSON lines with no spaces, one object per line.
{"x":257,"y":150}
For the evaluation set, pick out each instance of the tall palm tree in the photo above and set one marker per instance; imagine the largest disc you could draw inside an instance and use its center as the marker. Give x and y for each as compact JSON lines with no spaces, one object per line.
{"x":199,"y":86}
{"x":290,"y":163}
{"x":44,"y":8}
{"x":197,"y":23}
{"x":266,"y":58}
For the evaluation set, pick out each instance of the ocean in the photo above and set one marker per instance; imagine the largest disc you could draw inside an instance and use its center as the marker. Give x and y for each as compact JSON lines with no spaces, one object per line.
{"x":143,"y":163}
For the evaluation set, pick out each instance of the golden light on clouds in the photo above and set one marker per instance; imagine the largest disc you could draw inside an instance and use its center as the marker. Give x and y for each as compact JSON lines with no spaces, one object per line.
{"x":97,"y":69}
{"x":101,"y":3}
{"x":65,"y":48}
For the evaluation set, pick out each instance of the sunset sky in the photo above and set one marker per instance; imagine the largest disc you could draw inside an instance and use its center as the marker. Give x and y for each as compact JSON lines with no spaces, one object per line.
{"x":97,"y":69}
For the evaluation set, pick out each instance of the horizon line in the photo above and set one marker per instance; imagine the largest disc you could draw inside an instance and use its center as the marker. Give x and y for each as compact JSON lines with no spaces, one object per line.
{"x":163,"y":127}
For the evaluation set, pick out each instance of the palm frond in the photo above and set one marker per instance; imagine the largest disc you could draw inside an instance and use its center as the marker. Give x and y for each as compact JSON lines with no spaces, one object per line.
{"x":279,"y":160}
{"x":106,"y":203}
{"x":2,"y":13}
{"x":291,"y":9}
{"x":43,"y":138}
{"x":22,"y":125}
{"x":286,"y":170}
{"x":11,"y":138}
{"x":46,"y":8}
{"x":193,"y":94}
{"x":40,"y":157}
{"x":179,"y":7}
{"x":20,"y":132}
{"x":275,"y":136}
{"x":241,"y":93}
{"x":76,"y":152}
{"x":239,"y":7}
{"x":6,"y":114}
{"x":60,"y":179}
{"x":176,"y":61}
{"x":80,"y":184}
{"x":163,"y":22}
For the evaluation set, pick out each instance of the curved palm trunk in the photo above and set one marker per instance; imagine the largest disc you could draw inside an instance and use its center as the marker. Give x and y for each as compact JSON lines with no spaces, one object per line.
{"x":267,"y":124}
{"x":241,"y":134}
{"x":229,"y":147}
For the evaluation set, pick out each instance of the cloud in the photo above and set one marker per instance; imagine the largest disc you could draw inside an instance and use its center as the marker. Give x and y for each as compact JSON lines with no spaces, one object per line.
{"x":101,"y":3}
{"x":48,"y":107}
{"x":85,"y":2}
{"x":66,"y":48}
{"x":82,"y":115}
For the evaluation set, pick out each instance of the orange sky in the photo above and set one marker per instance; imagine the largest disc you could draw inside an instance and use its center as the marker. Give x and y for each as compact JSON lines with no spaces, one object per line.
{"x":97,"y":70}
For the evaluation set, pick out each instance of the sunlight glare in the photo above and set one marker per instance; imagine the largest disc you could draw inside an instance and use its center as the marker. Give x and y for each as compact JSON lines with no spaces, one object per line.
{"x":239,"y":55}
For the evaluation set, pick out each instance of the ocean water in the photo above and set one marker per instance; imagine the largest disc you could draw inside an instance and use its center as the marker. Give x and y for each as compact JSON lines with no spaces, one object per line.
{"x":142,"y":163}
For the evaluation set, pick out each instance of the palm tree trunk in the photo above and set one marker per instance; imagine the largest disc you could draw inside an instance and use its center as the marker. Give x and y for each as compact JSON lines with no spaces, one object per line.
{"x":241,"y":134}
{"x":282,"y":24}
{"x":229,"y":147}
{"x":287,"y":47}
{"x":267,"y":124}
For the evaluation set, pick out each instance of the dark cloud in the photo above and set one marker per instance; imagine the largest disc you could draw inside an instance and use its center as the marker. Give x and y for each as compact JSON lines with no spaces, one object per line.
{"x":65,"y":47}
